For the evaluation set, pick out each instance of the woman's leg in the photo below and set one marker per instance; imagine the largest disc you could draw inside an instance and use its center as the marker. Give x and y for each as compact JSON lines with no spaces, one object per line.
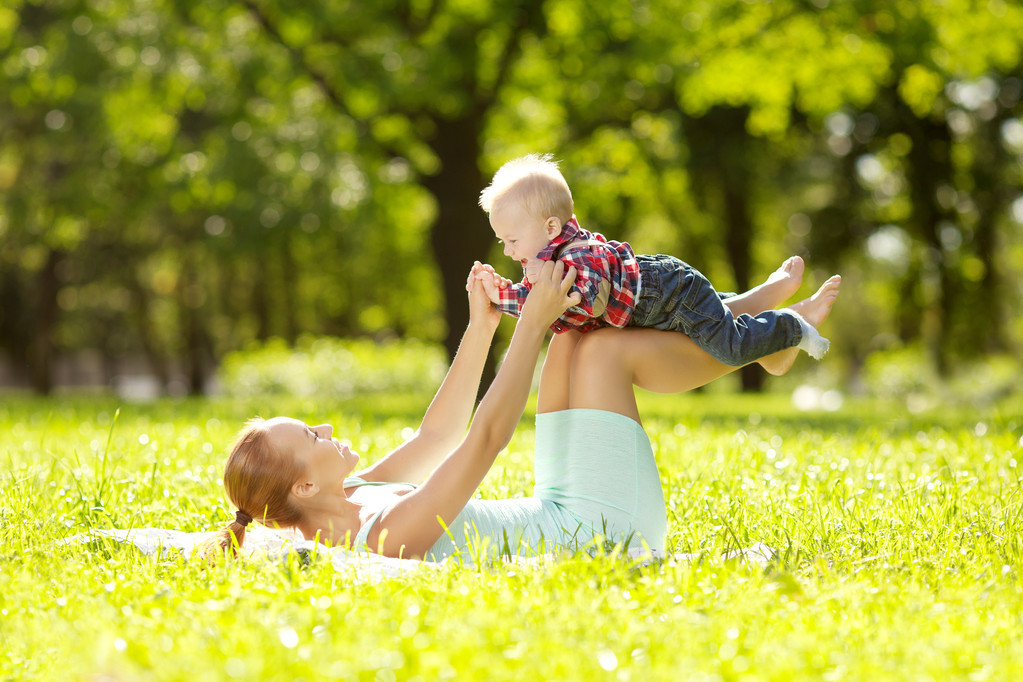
{"x":610,"y":365}
{"x":779,"y":287}
{"x":608,"y":362}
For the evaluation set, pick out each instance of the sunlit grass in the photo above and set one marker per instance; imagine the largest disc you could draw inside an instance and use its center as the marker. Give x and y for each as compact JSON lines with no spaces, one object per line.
{"x":899,"y":540}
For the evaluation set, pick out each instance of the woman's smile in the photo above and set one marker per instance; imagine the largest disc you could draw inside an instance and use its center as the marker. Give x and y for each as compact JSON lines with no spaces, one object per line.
{"x":344,"y":449}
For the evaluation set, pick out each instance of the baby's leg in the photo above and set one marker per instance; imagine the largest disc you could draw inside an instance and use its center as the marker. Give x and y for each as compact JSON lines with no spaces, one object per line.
{"x":814,"y":310}
{"x":817,"y":308}
{"x":779,"y":287}
{"x":606,"y":363}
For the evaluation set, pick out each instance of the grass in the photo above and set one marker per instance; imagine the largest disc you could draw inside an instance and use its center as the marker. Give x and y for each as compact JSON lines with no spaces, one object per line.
{"x":899,"y":537}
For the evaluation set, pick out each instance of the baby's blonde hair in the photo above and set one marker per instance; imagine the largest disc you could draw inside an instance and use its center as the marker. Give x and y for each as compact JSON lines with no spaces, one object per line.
{"x":533,"y":181}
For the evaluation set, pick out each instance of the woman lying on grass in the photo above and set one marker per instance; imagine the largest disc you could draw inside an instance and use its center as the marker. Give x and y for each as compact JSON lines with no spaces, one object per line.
{"x":594,"y":468}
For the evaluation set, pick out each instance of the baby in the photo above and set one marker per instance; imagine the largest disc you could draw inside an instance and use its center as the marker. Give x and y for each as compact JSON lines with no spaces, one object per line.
{"x":532,"y":214}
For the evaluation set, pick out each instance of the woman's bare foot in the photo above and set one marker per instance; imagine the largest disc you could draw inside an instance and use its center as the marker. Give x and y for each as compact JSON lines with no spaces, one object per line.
{"x":814,"y":310}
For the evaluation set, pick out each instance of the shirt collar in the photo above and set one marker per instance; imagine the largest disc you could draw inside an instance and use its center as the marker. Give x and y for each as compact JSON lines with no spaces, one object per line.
{"x":569,"y":231}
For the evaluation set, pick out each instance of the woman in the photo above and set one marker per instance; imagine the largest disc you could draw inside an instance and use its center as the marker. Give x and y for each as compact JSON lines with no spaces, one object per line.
{"x":595,"y":471}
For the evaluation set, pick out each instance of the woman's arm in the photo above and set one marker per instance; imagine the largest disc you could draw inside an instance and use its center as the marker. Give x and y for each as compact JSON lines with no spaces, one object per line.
{"x":444,"y":423}
{"x":409,"y":527}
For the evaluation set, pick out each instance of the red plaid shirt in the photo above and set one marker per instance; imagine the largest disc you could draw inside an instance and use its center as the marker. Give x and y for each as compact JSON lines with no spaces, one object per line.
{"x":606,"y":269}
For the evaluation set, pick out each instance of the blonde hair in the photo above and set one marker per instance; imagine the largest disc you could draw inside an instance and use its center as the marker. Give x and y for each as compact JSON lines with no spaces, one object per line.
{"x":257,"y":477}
{"x":535,"y":182}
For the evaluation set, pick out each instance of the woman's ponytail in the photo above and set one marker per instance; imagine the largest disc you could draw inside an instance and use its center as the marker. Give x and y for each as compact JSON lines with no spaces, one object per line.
{"x":257,"y":476}
{"x":224,"y":542}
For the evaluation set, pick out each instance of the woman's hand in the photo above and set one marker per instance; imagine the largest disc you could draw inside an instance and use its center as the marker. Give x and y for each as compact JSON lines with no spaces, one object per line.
{"x":481,"y":309}
{"x":551,"y":294}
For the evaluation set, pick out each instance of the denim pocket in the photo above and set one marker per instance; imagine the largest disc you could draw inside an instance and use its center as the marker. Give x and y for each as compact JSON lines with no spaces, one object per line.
{"x":697,"y":297}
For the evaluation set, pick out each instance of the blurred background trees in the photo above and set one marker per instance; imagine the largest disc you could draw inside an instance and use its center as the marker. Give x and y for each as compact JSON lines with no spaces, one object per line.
{"x":179,"y":180}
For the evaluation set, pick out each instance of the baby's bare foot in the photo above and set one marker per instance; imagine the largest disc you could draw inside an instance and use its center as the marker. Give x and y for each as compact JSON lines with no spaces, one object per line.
{"x":787,"y":279}
{"x":817,"y":308}
{"x":814,"y":310}
{"x":773,"y":292}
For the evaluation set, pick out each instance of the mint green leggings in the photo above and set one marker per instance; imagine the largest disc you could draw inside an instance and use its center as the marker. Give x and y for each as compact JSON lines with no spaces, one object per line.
{"x":595,"y":474}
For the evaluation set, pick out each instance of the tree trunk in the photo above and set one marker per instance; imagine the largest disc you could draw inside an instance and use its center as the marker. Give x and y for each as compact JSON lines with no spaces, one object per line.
{"x":720,"y":153}
{"x":14,"y":336}
{"x":736,"y":188}
{"x":44,"y":321}
{"x":192,"y":328}
{"x":460,"y":234}
{"x":930,"y":168}
{"x":986,"y":317}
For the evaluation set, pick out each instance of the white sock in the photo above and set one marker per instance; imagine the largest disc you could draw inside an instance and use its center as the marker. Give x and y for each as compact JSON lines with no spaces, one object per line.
{"x":812,"y":342}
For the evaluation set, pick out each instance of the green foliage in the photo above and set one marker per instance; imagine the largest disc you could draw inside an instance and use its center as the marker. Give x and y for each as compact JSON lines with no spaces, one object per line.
{"x":919,"y":88}
{"x":907,"y":374}
{"x":898,"y":538}
{"x":179,"y":180}
{"x":327,"y":367}
{"x":900,"y":373}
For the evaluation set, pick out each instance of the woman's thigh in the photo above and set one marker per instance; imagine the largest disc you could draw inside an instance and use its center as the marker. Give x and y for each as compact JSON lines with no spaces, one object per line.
{"x":599,"y":466}
{"x":556,"y":373}
{"x":607,"y":363}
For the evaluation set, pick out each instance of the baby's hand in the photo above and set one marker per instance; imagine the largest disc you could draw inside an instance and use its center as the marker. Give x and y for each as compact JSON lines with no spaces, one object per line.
{"x":481,"y":271}
{"x":501,"y":282}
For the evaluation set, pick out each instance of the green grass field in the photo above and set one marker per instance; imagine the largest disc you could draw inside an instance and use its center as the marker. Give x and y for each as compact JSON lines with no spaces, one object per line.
{"x":899,"y":536}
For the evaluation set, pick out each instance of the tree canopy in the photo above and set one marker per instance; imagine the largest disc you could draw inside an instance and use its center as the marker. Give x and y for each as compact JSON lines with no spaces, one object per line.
{"x":180,"y":179}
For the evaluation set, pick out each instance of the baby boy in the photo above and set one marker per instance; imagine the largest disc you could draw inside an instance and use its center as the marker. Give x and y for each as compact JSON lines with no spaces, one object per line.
{"x":532,"y":214}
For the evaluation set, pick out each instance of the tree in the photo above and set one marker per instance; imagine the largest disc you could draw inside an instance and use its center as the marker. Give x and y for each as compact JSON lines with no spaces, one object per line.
{"x":418,"y":81}
{"x":179,"y":179}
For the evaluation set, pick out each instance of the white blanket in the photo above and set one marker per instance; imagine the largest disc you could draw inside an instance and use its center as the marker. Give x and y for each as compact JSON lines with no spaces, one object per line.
{"x":262,"y":541}
{"x":259,"y":540}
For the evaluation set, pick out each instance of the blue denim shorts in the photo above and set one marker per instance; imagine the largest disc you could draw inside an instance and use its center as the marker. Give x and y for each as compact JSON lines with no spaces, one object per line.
{"x":675,"y":296}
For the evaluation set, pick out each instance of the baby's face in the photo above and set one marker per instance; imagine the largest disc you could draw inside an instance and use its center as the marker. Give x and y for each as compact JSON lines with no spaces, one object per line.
{"x":522,"y":235}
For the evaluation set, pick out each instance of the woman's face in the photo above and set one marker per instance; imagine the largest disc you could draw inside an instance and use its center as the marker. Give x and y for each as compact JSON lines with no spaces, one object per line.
{"x":324,"y":459}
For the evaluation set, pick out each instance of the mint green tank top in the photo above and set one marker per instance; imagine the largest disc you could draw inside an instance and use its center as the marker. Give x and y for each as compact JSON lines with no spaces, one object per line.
{"x":595,"y":474}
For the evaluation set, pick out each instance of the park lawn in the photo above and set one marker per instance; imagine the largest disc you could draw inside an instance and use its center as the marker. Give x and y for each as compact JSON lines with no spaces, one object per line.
{"x":899,"y":540}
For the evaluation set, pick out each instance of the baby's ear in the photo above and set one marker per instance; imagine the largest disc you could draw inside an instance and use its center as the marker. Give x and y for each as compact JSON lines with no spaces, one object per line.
{"x":553,"y":227}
